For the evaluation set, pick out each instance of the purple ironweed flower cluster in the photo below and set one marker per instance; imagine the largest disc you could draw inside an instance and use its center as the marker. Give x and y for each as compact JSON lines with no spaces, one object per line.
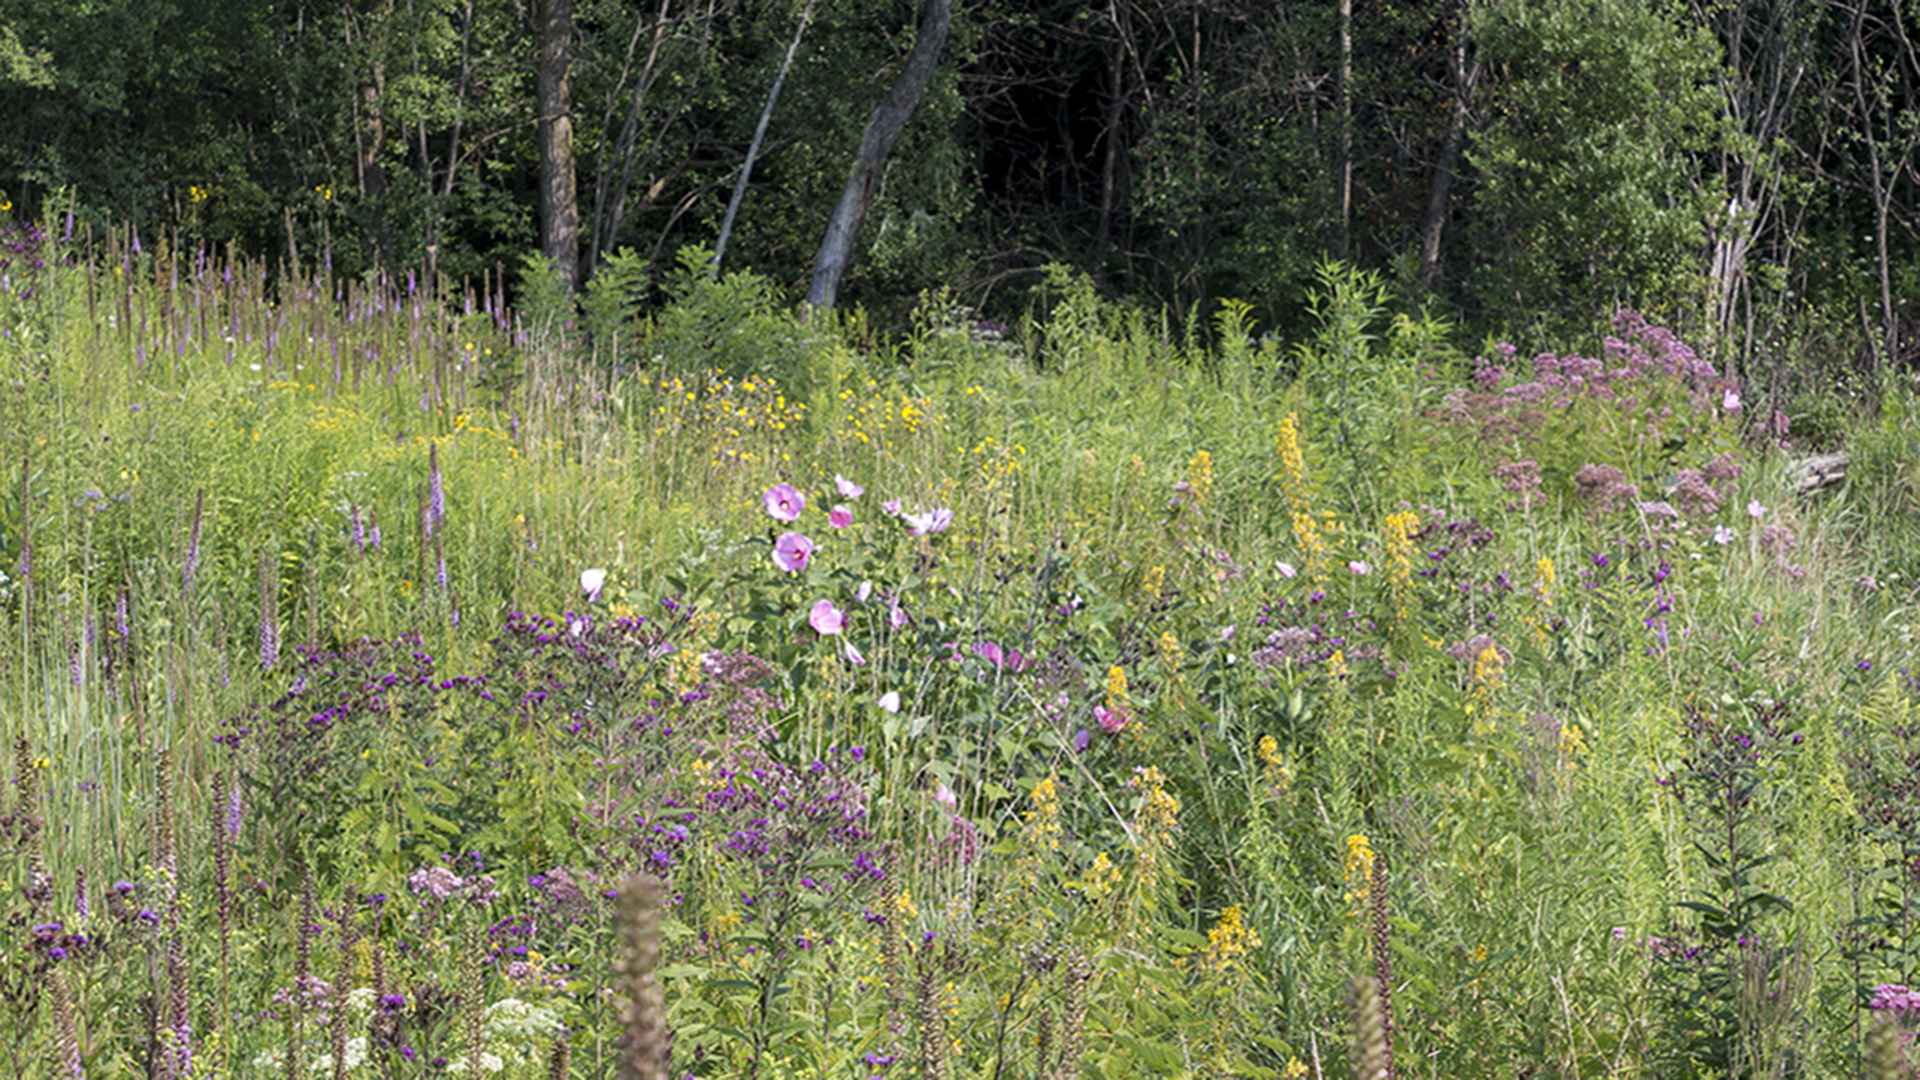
{"x":1724,"y":750}
{"x":1305,"y":633}
{"x":565,"y":896}
{"x":23,"y":256}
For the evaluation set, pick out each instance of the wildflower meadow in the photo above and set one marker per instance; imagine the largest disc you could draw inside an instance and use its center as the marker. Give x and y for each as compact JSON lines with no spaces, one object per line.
{"x":400,"y":682}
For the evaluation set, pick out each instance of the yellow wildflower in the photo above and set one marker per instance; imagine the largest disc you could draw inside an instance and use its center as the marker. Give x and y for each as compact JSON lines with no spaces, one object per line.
{"x":1158,"y":812}
{"x":1293,"y":484}
{"x":1359,"y":872}
{"x":1151,"y":582}
{"x":1573,"y":746}
{"x":1043,"y":821}
{"x":1200,"y":477}
{"x":1274,"y":764}
{"x":1397,"y":545}
{"x":1489,"y":673}
{"x":1171,"y":652}
{"x":1228,"y":939}
{"x":1102,"y":878}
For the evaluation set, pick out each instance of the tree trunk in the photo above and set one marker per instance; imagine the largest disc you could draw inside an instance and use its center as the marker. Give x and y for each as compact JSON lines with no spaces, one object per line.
{"x":1435,"y":218}
{"x":559,"y":211}
{"x":672,"y":35}
{"x":437,"y":200}
{"x":889,"y":117}
{"x":370,"y":127}
{"x":1343,"y":166}
{"x":1116,"y":111}
{"x":759,"y":133}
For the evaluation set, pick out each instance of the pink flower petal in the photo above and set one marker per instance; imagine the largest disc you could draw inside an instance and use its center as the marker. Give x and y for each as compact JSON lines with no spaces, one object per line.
{"x":826,"y":619}
{"x":784,"y":502}
{"x":792,"y":551}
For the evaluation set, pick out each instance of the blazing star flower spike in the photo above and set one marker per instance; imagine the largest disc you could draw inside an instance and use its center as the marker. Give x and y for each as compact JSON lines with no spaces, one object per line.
{"x":591,"y":582}
{"x":847,"y":488}
{"x":826,"y":619}
{"x":784,"y":502}
{"x":792,"y":551}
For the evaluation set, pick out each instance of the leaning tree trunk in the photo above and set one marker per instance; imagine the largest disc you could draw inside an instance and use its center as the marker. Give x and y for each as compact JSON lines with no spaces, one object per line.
{"x":889,"y":117}
{"x":559,"y":210}
{"x":1435,"y":218}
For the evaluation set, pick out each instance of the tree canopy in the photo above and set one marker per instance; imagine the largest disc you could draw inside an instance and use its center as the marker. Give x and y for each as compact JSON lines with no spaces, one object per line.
{"x":1745,"y":171}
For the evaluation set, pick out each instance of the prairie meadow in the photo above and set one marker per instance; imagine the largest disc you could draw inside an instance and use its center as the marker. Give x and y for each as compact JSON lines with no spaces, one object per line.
{"x":397,"y":683}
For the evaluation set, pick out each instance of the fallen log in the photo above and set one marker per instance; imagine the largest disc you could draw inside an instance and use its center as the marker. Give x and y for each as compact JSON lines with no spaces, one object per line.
{"x":1816,"y":472}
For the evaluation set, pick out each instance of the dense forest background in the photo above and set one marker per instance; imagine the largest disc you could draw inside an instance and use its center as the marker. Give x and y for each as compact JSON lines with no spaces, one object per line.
{"x":1743,"y":170}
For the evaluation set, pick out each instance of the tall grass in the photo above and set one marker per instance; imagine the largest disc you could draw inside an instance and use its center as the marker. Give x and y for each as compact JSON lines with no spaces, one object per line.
{"x":328,"y":765}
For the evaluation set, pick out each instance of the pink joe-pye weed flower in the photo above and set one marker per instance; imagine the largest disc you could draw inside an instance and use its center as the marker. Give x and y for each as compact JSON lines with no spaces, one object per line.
{"x":840,"y":517}
{"x":928,"y":522}
{"x":792,"y":551}
{"x":826,"y":619}
{"x":847,"y":488}
{"x":784,"y":502}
